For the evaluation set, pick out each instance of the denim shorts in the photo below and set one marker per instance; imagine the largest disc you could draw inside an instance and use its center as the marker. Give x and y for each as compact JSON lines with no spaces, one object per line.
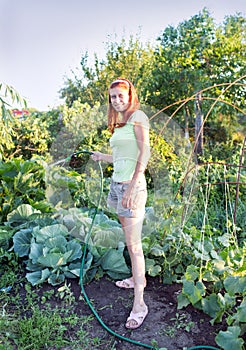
{"x":115,"y":195}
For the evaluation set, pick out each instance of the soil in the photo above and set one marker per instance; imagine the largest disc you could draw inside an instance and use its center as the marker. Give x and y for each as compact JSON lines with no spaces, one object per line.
{"x":164,"y":327}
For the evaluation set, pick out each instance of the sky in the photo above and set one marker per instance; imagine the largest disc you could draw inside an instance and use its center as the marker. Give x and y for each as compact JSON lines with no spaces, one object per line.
{"x":42,"y":41}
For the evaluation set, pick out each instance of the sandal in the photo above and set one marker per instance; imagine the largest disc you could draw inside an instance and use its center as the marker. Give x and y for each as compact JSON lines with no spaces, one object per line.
{"x":127,"y":283}
{"x":137,"y":318}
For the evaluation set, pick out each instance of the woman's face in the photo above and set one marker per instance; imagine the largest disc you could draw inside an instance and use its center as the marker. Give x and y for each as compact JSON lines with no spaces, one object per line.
{"x":119,"y":98}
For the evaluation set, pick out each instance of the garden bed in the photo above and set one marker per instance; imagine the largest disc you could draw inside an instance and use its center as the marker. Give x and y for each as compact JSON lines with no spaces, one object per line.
{"x":165,"y":326}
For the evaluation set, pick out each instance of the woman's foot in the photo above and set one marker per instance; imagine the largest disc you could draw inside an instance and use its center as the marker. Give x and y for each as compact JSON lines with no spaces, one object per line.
{"x":127,"y":283}
{"x":136,"y":319}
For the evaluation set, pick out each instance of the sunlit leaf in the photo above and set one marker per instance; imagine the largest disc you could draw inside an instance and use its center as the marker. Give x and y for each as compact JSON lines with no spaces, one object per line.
{"x":229,"y":339}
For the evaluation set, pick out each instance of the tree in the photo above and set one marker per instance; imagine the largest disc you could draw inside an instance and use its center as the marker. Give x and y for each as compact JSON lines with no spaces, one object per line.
{"x":8,"y":97}
{"x":129,"y":59}
{"x":191,"y":58}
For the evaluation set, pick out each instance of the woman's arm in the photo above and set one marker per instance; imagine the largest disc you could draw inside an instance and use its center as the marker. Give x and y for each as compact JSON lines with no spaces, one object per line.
{"x":142,"y":136}
{"x":98,"y":156}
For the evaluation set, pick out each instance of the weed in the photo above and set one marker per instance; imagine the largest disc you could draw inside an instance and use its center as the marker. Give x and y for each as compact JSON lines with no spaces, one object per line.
{"x":47,"y":296}
{"x":65,"y":293}
{"x":179,"y":322}
{"x":42,"y":329}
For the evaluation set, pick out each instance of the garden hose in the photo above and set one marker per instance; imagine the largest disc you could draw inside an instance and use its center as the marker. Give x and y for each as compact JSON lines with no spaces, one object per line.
{"x":109,"y":330}
{"x":203,"y":347}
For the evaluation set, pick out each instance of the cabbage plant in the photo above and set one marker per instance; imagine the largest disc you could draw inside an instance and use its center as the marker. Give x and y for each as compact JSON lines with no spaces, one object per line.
{"x":53,"y":246}
{"x":52,"y":253}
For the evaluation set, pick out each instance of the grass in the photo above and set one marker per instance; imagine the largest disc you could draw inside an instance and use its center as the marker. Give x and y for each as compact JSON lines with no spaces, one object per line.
{"x":37,"y":320}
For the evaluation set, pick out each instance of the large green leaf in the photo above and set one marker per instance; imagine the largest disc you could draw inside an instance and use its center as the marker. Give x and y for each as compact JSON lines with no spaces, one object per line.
{"x":191,"y":273}
{"x":35,"y":252}
{"x":211,"y":305}
{"x":240,"y":315}
{"x":41,"y":235}
{"x":235,"y":284}
{"x":194,"y":292}
{"x":152,"y":267}
{"x":58,"y":243}
{"x":22,"y":241}
{"x":73,"y":270}
{"x":157,"y":250}
{"x":183,"y":301}
{"x":215,"y":305}
{"x":30,"y":266}
{"x":55,"y":280}
{"x":229,"y":339}
{"x":107,"y":239}
{"x":23,"y":213}
{"x":113,"y":262}
{"x":8,"y":170}
{"x":54,"y":260}
{"x":38,"y":277}
{"x":88,"y":263}
{"x":29,"y":166}
{"x":5,"y":234}
{"x":75,"y":247}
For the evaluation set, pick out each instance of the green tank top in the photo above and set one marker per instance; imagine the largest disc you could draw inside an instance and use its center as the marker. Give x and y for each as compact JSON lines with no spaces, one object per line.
{"x":125,"y":148}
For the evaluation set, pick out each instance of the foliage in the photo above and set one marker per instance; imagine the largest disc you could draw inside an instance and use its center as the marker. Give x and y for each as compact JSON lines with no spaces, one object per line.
{"x":83,"y":126}
{"x":224,"y":294}
{"x":65,"y":187}
{"x":125,"y":58}
{"x":8,"y":96}
{"x":53,"y":254}
{"x":198,"y":56}
{"x":195,"y":56}
{"x":30,"y":135}
{"x":218,"y":193}
{"x":21,"y":182}
{"x":104,"y":240}
{"x":35,"y":133}
{"x":37,"y":319}
{"x":194,"y":228}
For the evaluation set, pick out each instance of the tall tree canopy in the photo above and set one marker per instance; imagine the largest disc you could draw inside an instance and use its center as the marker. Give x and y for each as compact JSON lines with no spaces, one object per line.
{"x":127,"y":58}
{"x":197,"y":58}
{"x":205,"y":65}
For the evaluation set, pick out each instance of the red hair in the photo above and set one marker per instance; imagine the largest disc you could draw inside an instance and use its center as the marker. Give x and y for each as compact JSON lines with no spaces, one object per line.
{"x":113,"y":120}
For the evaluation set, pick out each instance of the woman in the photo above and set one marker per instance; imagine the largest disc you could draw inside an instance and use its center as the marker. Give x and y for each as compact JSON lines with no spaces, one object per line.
{"x":130,"y":154}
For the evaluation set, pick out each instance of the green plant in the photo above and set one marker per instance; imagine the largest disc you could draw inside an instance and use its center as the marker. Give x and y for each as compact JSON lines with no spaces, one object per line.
{"x":53,"y":255}
{"x":9,"y":268}
{"x":180,"y":321}
{"x":65,"y":293}
{"x":7,"y":130}
{"x":21,"y":182}
{"x":227,"y":273}
{"x":41,"y":330}
{"x":54,"y":245}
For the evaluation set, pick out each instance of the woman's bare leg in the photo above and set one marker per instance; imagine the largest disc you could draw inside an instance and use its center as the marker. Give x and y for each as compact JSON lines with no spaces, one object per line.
{"x":132,"y":228}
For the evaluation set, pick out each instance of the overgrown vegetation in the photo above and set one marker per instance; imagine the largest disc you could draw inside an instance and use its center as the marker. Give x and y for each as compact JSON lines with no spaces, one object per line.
{"x":195,"y":227}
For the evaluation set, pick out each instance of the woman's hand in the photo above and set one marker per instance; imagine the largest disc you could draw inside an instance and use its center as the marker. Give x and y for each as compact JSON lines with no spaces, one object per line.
{"x":129,"y":197}
{"x":97,"y":156}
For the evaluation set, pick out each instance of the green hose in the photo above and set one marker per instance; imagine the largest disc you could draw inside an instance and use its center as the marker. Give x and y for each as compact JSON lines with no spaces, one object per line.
{"x":203,"y":347}
{"x":82,"y":269}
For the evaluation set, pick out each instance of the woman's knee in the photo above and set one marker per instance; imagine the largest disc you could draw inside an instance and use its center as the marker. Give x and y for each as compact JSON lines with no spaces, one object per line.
{"x":135,"y":249}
